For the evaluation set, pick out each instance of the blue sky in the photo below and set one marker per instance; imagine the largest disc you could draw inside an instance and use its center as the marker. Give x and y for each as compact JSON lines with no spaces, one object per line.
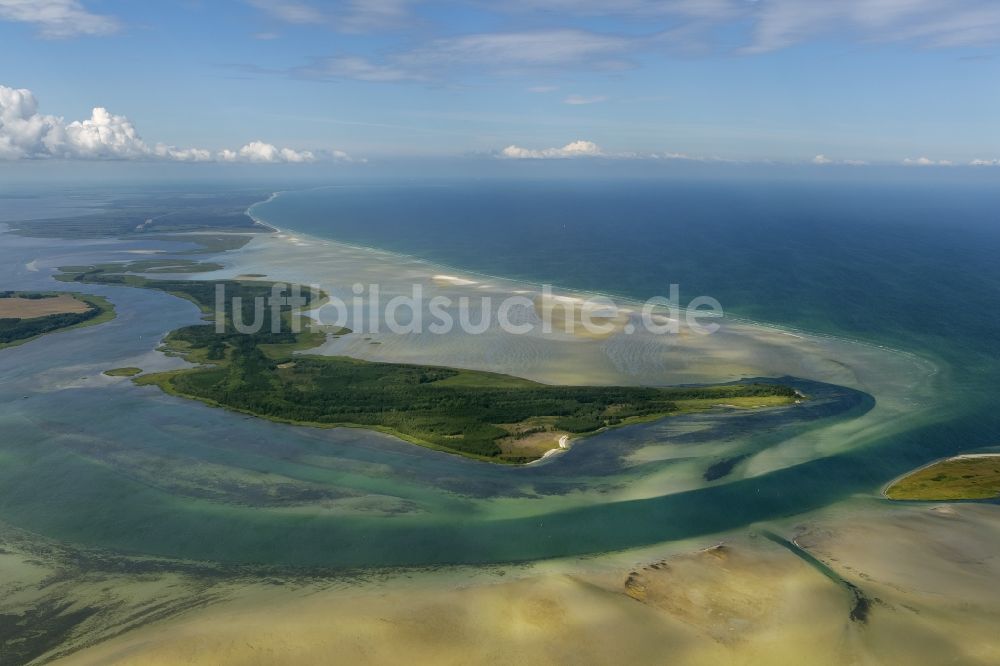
{"x":878,"y":81}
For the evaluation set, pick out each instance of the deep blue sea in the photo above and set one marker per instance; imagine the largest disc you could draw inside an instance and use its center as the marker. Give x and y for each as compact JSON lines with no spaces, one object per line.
{"x":909,"y":264}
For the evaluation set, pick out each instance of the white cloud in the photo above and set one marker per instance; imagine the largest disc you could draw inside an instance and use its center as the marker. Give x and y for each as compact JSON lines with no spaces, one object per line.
{"x":824,"y":160}
{"x":688,"y":26}
{"x":103,"y":135}
{"x":58,"y":18}
{"x":777,"y":24}
{"x":350,"y":16}
{"x":182,"y":154}
{"x":534,"y":48}
{"x":370,"y":15}
{"x":985,"y":162}
{"x":701,"y":9}
{"x":23,"y":131}
{"x":27,"y":134}
{"x":581,"y":148}
{"x":359,"y":69}
{"x":781,"y":23}
{"x":288,"y":11}
{"x":258,"y":151}
{"x":579,"y":100}
{"x":507,"y":52}
{"x":542,"y":89}
{"x":574,"y":149}
{"x":926,"y":161}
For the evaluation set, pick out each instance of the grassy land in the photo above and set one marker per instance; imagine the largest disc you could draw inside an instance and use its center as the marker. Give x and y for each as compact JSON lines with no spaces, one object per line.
{"x":962,"y":478}
{"x":16,"y":331}
{"x":476,"y":414}
{"x":128,"y":371}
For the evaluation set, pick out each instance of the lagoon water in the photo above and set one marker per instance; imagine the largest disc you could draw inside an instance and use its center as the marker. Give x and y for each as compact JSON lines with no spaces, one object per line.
{"x":891,"y":265}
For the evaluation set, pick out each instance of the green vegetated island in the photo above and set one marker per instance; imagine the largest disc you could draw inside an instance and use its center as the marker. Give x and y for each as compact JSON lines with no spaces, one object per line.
{"x":127,"y":371}
{"x":26,"y":315}
{"x":483,"y":415}
{"x":967,"y":477}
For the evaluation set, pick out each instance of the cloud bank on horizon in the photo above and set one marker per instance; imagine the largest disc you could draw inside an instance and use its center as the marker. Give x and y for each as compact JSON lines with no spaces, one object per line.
{"x":27,"y":134}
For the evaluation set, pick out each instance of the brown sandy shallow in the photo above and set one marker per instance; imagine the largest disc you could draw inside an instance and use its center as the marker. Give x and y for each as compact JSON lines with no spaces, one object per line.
{"x":27,"y":308}
{"x":929,"y":571}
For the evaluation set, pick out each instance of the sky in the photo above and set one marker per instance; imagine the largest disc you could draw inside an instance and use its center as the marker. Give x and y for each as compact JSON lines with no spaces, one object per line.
{"x":844,"y":83}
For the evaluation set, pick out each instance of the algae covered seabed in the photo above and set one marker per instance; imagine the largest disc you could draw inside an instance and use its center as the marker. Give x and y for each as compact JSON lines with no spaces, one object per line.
{"x":122,"y":504}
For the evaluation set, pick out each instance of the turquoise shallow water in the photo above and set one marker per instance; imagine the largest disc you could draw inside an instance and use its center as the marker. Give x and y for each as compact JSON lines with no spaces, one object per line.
{"x":858,"y":263}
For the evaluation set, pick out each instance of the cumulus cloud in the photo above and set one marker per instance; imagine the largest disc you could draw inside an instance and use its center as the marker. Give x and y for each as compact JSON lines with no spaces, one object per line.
{"x":27,"y":134}
{"x":985,"y":162}
{"x":58,"y":19}
{"x":573,"y":149}
{"x":258,"y":151}
{"x":926,"y":161}
{"x":182,"y":154}
{"x":824,"y":160}
{"x":582,"y":148}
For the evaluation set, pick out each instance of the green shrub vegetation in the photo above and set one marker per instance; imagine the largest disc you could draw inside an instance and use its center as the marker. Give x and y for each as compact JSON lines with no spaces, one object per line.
{"x":129,"y":371}
{"x":961,"y":478}
{"x":460,"y":411}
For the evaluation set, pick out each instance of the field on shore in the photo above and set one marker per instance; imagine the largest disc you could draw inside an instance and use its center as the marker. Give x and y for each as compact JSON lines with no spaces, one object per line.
{"x":28,"y":308}
{"x":25,"y":316}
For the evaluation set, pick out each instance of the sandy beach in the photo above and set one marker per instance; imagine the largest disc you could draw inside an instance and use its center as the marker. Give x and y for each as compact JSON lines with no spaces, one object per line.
{"x":928,"y":570}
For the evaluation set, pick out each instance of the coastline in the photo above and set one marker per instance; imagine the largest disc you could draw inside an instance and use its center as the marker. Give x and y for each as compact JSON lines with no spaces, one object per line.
{"x":742,"y":349}
{"x":470,"y":277}
{"x":884,"y":492}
